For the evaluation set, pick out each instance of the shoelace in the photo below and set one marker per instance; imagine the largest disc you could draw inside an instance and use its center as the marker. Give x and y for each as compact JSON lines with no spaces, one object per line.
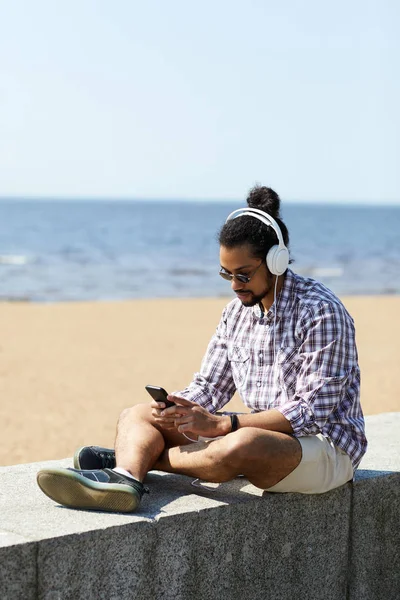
{"x":108,"y":459}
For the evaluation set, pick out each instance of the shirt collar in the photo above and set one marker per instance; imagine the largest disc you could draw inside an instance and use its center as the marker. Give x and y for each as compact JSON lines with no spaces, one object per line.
{"x":288,"y":287}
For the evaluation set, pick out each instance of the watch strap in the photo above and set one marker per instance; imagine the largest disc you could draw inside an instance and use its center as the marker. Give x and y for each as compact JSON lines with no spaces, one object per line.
{"x":234,"y":423}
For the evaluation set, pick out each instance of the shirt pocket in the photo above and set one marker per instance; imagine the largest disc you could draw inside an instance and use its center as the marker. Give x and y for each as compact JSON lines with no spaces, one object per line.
{"x":289,"y":366}
{"x":239,"y":358}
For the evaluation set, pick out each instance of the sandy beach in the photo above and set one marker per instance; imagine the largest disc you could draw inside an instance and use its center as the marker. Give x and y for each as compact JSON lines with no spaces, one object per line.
{"x":67,"y":370}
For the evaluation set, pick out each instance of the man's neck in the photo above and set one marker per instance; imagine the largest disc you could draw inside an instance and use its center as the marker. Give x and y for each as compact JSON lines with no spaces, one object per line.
{"x":268,"y":300}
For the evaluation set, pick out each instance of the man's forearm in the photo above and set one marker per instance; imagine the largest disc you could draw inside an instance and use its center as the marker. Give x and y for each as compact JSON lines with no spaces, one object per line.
{"x":272,"y":420}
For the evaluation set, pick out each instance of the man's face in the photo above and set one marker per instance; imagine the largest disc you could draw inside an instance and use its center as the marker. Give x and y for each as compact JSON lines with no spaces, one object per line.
{"x":240,"y":261}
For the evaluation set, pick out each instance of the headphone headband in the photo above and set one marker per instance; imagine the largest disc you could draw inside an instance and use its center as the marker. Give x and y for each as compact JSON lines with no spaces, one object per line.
{"x":261,"y":216}
{"x":277,"y":258}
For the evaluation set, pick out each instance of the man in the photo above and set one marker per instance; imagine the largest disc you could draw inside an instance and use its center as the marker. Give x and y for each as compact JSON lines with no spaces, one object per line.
{"x":287,"y":344}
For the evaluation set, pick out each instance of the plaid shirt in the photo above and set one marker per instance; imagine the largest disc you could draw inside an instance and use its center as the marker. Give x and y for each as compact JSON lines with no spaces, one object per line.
{"x":315,"y":379}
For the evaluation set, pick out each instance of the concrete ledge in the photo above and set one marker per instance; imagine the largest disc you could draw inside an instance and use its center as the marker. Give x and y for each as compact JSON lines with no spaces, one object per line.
{"x":230,"y":541}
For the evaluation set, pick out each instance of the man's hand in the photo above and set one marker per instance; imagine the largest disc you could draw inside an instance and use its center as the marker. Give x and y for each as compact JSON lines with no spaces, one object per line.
{"x":189,"y":417}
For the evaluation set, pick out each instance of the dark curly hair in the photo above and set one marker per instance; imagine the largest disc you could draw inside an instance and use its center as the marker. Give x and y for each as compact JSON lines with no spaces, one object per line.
{"x":247,"y":231}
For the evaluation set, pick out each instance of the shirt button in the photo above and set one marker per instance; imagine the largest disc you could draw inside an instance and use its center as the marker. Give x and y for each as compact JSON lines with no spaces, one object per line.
{"x":258,"y":383}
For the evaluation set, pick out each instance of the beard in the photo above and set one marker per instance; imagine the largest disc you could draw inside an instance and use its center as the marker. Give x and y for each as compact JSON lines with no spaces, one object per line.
{"x":253,"y":299}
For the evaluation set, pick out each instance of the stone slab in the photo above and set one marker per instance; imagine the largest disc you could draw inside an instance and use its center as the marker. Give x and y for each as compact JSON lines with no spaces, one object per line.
{"x":374,"y":569}
{"x":264,"y":547}
{"x":18,"y":569}
{"x":227,"y":541}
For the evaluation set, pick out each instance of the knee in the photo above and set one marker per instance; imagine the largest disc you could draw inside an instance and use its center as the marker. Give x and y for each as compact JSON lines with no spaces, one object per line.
{"x":134,"y":413}
{"x":239,"y":446}
{"x":227,"y":451}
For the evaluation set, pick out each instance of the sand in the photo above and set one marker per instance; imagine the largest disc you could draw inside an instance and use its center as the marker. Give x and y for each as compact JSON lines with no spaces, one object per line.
{"x":67,"y":370}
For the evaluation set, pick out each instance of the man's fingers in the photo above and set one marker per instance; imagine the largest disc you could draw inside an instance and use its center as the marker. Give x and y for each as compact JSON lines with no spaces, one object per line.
{"x":183,"y":419}
{"x":175,"y":411}
{"x":185,"y":427}
{"x":181,"y":401}
{"x":155,"y":404}
{"x":184,"y":424}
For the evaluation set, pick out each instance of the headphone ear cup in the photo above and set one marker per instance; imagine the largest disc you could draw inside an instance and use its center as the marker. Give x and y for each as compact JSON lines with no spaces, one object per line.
{"x":278,"y":260}
{"x":271,"y":259}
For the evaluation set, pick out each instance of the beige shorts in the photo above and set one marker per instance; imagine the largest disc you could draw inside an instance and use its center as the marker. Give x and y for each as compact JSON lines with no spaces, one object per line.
{"x":323,"y":467}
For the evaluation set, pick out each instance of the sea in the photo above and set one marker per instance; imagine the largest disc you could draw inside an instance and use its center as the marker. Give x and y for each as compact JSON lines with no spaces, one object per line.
{"x":57,"y":251}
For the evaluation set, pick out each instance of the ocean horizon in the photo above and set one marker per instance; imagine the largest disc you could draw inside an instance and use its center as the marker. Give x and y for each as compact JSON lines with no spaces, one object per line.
{"x":99,"y":249}
{"x":345,"y":203}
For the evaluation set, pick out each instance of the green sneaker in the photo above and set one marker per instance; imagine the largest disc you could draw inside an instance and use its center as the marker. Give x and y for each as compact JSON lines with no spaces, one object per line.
{"x":101,"y":489}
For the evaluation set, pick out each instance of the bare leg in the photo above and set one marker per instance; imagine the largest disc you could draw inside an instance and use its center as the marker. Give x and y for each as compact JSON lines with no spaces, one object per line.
{"x":140,"y":441}
{"x":264,"y":457}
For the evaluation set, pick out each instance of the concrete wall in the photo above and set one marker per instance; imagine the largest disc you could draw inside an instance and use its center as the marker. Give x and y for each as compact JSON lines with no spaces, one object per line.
{"x":227,"y":542}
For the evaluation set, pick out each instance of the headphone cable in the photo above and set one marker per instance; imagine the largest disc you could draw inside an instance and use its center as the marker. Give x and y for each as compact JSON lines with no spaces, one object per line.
{"x":275,"y":315}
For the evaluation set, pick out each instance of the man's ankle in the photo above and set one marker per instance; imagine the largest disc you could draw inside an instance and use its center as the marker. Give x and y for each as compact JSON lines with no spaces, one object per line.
{"x":126,"y":473}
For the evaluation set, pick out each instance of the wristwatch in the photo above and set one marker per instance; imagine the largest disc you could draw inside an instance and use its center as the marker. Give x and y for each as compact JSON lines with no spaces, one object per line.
{"x":234,"y":423}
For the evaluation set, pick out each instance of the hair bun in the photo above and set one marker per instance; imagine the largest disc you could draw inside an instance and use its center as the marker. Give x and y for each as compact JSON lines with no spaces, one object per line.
{"x":264,"y":198}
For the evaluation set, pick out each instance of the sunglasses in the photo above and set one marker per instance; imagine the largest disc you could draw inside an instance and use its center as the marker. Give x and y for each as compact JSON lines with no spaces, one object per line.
{"x":239,"y":277}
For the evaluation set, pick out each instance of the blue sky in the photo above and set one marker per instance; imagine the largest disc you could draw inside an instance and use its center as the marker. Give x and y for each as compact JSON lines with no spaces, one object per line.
{"x":180,"y":99}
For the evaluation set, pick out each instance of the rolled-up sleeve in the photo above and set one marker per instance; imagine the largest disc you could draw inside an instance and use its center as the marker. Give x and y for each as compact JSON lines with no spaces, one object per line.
{"x":213,"y":386}
{"x":327,"y":369}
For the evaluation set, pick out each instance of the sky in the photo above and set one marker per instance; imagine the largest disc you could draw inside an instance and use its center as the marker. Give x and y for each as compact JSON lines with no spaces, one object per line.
{"x":200,"y":100}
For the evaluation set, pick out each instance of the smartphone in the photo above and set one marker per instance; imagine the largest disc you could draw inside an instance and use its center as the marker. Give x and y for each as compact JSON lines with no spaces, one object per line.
{"x":159,"y":395}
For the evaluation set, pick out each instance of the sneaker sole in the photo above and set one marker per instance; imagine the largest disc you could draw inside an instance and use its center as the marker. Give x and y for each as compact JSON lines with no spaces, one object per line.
{"x":75,"y":491}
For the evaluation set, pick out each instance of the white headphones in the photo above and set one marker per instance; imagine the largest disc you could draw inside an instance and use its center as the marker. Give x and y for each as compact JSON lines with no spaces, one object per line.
{"x":278,"y":256}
